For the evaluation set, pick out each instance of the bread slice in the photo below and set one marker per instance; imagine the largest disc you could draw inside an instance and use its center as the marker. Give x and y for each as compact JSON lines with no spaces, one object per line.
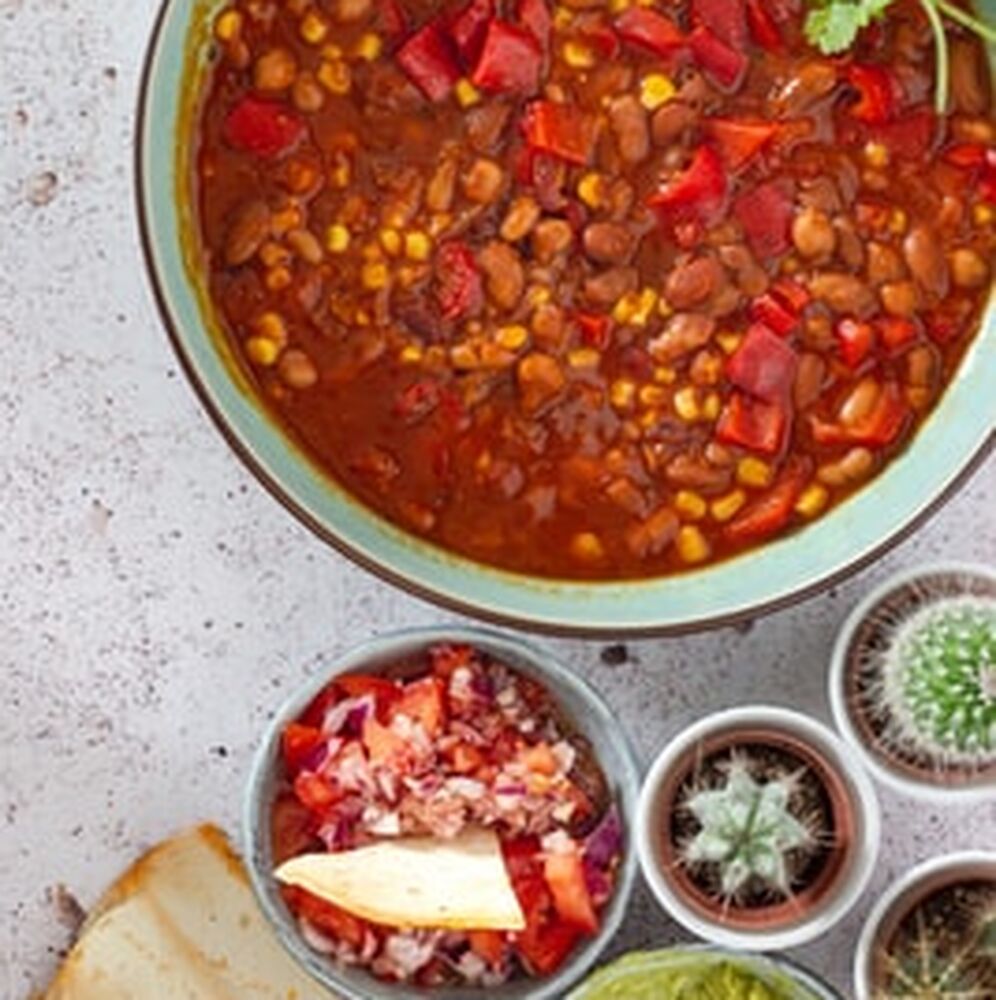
{"x":182,"y":924}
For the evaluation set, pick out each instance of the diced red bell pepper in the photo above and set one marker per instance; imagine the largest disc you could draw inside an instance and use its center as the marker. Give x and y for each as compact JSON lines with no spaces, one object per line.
{"x":948,"y":321}
{"x":876,"y":89}
{"x":458,"y":281}
{"x":564,"y":874}
{"x":423,"y":701}
{"x":763,"y":365}
{"x":795,"y":296}
{"x":740,"y":141}
{"x":698,"y":194}
{"x":650,"y":30}
{"x":856,"y":341}
{"x":766,"y":215}
{"x":561,"y":129}
{"x":468,"y":28}
{"x":263,"y":128}
{"x":726,"y":19}
{"x":298,"y":743}
{"x":327,"y":917}
{"x":763,"y":27}
{"x":510,"y":61}
{"x":770,"y":310}
{"x":487,"y":945}
{"x":752,"y":423}
{"x":416,"y":401}
{"x":534,"y":16}
{"x":724,"y":65}
{"x":896,"y":332}
{"x":314,"y":792}
{"x":772,"y":511}
{"x":910,"y":137}
{"x":881,"y":427}
{"x":596,"y":329}
{"x":430,"y":61}
{"x":966,"y":155}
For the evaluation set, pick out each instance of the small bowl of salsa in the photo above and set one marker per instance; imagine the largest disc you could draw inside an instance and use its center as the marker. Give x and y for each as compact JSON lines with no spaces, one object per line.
{"x":445,"y":810}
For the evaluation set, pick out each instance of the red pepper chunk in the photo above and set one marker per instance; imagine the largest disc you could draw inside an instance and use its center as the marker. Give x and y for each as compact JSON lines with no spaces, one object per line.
{"x":881,"y":427}
{"x":726,"y":19}
{"x":856,"y":340}
{"x":560,"y":129}
{"x":298,"y":743}
{"x":696,"y":195}
{"x":468,"y":28}
{"x":766,"y":215}
{"x":752,"y":423}
{"x":596,"y":329}
{"x":763,"y":27}
{"x":739,"y":142}
{"x":724,"y":65}
{"x":534,"y":16}
{"x":763,"y":365}
{"x":264,"y":128}
{"x":876,"y":89}
{"x":430,"y":61}
{"x":772,"y":511}
{"x":895,"y":332}
{"x":510,"y":61}
{"x":649,"y":30}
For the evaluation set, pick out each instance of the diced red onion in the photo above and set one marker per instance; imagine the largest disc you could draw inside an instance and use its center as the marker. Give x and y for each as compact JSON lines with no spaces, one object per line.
{"x":348,"y":716}
{"x":604,"y":843}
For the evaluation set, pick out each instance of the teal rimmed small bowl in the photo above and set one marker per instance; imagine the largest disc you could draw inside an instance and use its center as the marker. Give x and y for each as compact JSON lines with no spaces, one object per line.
{"x":953,"y":441}
{"x":584,"y":711}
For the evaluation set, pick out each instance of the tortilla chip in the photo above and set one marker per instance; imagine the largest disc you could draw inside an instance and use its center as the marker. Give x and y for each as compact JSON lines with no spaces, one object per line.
{"x":458,"y":884}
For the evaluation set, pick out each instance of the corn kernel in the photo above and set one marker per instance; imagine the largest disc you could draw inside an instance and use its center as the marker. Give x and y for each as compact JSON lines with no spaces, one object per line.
{"x":277,"y":279}
{"x":584,"y":357}
{"x":369,"y":47}
{"x":665,"y":375}
{"x":898,"y":221}
{"x":692,"y":544}
{"x":587,"y":547}
{"x":618,"y":6}
{"x":375,"y":276}
{"x":729,"y":342}
{"x":876,"y":155}
{"x":711,"y":407}
{"x":649,"y":419}
{"x":656,"y":89}
{"x":983,"y":214}
{"x":562,"y":18}
{"x":418,"y":246}
{"x":390,"y":240}
{"x":228,"y":26}
{"x":538,"y":295}
{"x":653,"y":395}
{"x":411,"y":354}
{"x":664,"y":307}
{"x":577,"y":55}
{"x":814,"y":498}
{"x":686,"y":404}
{"x":262,"y":351}
{"x":467,"y":94}
{"x":634,"y":308}
{"x":336,"y":77}
{"x":273,"y":254}
{"x":591,"y":190}
{"x":512,"y":338}
{"x":690,"y":504}
{"x":727,"y":507}
{"x":622,"y":393}
{"x":337,"y":238}
{"x":753,"y":472}
{"x":314,"y":28}
{"x":271,"y":326}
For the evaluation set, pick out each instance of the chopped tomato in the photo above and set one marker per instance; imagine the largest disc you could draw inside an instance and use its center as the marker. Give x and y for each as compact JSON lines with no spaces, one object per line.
{"x":430,"y":61}
{"x":752,"y":423}
{"x":298,"y":744}
{"x":724,"y":65}
{"x":766,"y":215}
{"x":422,"y":701}
{"x":468,"y":28}
{"x":561,"y":129}
{"x":564,"y":874}
{"x":739,"y":141}
{"x":772,"y":311}
{"x":876,"y":89}
{"x":698,"y":194}
{"x":522,"y":858}
{"x":510,"y":61}
{"x":384,"y":691}
{"x":539,"y":758}
{"x":534,"y":16}
{"x":763,"y":27}
{"x":315,"y":792}
{"x":763,"y":365}
{"x":293,"y":828}
{"x":487,"y":945}
{"x":726,"y":19}
{"x":263,"y":128}
{"x":458,"y":281}
{"x":465,"y":758}
{"x":383,"y":744}
{"x":447,"y":659}
{"x":881,"y":427}
{"x":326,"y":916}
{"x":795,"y":296}
{"x":596,"y":329}
{"x":544,"y":948}
{"x":772,"y":511}
{"x":895,"y":332}
{"x":856,"y":341}
{"x":650,"y":30}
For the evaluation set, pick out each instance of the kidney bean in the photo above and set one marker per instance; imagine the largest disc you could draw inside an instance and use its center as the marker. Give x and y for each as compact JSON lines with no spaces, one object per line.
{"x":968,"y":268}
{"x":809,"y":377}
{"x":607,"y":242}
{"x":813,"y":234}
{"x":250,"y":228}
{"x":843,"y":293}
{"x":505,"y":277}
{"x":924,"y":254}
{"x":693,"y":282}
{"x":628,"y":121}
{"x":607,"y":288}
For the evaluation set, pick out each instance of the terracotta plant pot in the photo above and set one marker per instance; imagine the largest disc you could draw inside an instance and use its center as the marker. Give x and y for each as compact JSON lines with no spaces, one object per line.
{"x":953,"y":968}
{"x":831,"y":874}
{"x":870,"y":721}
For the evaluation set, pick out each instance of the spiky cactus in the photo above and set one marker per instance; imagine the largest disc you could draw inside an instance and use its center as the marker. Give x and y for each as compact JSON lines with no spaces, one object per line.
{"x":747,"y":830}
{"x":939,"y":681}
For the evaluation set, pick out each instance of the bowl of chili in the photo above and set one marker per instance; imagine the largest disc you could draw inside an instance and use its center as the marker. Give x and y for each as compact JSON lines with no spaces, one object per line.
{"x":540,"y":319}
{"x":491,"y":734}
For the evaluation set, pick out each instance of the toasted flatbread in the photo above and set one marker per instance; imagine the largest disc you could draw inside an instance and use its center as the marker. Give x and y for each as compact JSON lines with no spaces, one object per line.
{"x":182,"y":924}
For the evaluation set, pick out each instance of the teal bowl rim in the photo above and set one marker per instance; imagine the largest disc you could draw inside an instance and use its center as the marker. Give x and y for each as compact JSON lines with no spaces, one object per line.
{"x":952,"y":444}
{"x":595,"y":722}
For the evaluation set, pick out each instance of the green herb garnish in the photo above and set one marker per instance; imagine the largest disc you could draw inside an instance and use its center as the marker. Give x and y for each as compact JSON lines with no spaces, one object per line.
{"x":833,"y":25}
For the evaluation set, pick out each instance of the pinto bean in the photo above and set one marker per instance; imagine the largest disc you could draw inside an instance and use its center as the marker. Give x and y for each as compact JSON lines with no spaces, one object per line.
{"x":922,"y":367}
{"x":692,"y":472}
{"x":607,"y":242}
{"x":808,"y":84}
{"x":843,"y":293}
{"x":809,"y":376}
{"x":854,"y":466}
{"x":352,"y":10}
{"x":551,"y":238}
{"x":860,"y":402}
{"x":607,"y":288}
{"x":813,"y":234}
{"x":485,"y":126}
{"x":442,"y":185}
{"x":628,"y":121}
{"x":900,"y":298}
{"x":250,"y":228}
{"x":970,"y":87}
{"x":968,"y":268}
{"x":274,"y":70}
{"x":924,"y":254}
{"x":297,"y":370}
{"x":884,"y":264}
{"x":684,"y":333}
{"x":505,"y":277}
{"x":540,"y":380}
{"x":483,"y":181}
{"x":751,"y":278}
{"x":522,"y":215}
{"x":670,"y":120}
{"x":693,"y":282}
{"x":849,"y":244}
{"x":549,"y":325}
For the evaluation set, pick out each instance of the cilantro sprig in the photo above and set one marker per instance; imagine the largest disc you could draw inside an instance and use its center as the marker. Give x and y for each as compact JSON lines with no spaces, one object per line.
{"x":833,"y":25}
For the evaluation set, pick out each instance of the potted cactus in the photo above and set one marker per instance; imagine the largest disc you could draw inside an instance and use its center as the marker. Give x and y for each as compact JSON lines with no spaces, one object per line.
{"x":913,"y":682}
{"x":758,"y":828}
{"x":932,"y":936}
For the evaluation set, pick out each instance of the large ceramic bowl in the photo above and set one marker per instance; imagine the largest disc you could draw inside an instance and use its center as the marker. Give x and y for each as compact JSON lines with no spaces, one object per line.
{"x":582,"y":708}
{"x":951,"y":443}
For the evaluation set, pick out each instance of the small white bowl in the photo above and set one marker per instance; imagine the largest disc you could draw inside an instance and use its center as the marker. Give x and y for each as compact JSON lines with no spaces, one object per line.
{"x":860,"y":865}
{"x":898,"y":781}
{"x":864,"y":953}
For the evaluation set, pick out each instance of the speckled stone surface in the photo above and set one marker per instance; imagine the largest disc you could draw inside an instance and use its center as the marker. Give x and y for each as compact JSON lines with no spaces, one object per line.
{"x":156,"y":604}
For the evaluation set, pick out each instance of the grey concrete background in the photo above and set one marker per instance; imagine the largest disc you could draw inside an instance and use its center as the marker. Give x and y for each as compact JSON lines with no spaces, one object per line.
{"x":156,"y":604}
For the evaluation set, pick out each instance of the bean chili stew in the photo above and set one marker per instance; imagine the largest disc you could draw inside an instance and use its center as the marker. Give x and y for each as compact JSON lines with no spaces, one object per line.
{"x":596,"y":289}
